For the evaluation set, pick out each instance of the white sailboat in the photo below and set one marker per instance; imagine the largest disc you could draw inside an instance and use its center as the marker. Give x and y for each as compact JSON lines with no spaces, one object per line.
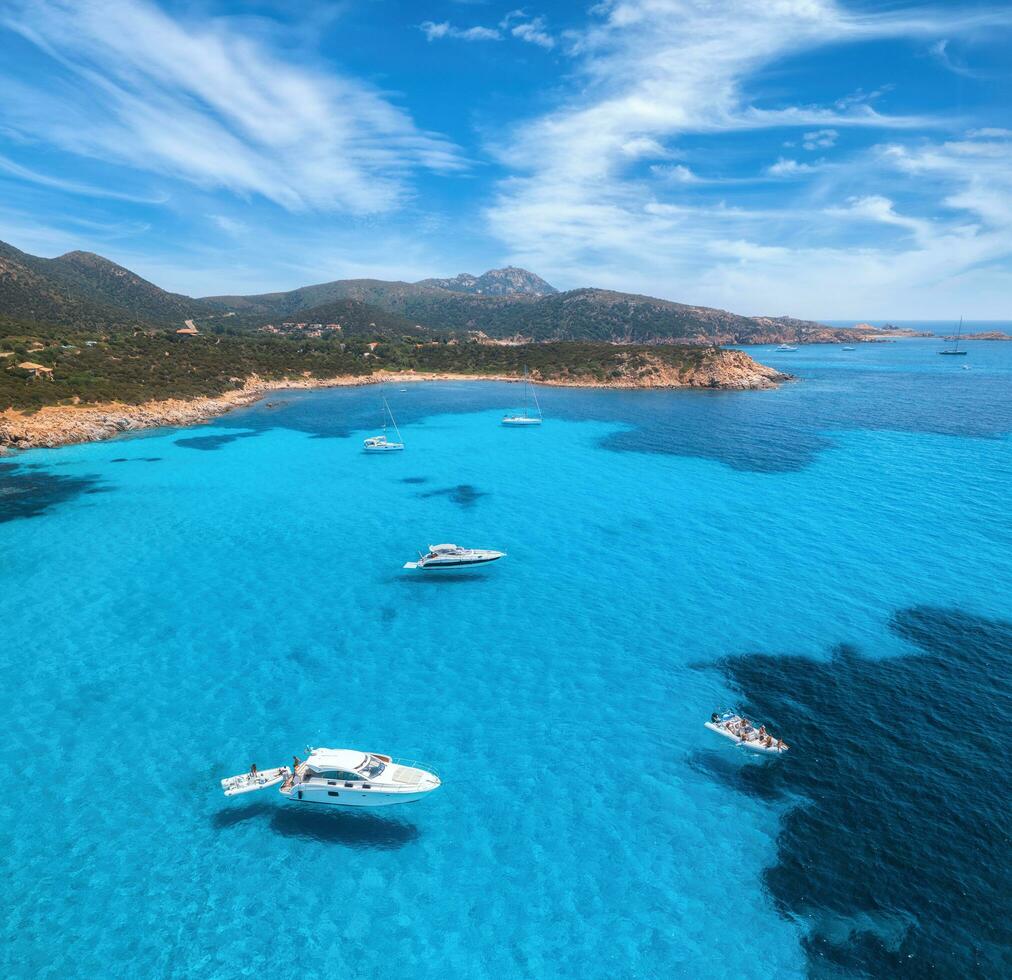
{"x":524,"y":417}
{"x":380,"y":443}
{"x":954,"y":351}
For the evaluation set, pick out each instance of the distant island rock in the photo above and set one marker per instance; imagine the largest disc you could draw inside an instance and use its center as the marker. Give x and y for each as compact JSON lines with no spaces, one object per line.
{"x":989,"y":335}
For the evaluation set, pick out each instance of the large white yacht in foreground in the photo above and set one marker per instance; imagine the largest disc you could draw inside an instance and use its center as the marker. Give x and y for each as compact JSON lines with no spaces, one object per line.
{"x":453,"y":556}
{"x":342,"y":777}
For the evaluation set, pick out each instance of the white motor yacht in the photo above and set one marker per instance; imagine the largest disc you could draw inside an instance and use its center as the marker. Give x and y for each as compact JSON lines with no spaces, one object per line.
{"x":786,"y":347}
{"x":380,"y":443}
{"x":453,"y":556}
{"x":745,"y":734}
{"x":342,"y":777}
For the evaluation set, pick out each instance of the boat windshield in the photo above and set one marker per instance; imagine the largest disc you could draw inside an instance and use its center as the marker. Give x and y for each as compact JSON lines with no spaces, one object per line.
{"x":372,"y":767}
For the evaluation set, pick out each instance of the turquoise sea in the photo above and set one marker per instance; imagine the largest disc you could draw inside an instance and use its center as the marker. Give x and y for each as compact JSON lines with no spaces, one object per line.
{"x":833,"y":557}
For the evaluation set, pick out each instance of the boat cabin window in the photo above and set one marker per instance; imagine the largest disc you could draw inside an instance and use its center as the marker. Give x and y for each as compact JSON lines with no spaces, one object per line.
{"x":372,"y":768}
{"x":337,"y":774}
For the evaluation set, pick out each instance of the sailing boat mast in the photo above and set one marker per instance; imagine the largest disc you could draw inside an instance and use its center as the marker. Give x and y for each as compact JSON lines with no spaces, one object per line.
{"x":392,"y":420}
{"x":534,"y":393}
{"x":959,"y":333}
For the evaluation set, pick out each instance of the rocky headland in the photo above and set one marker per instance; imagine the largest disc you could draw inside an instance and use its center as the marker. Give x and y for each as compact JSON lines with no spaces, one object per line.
{"x":59,"y":425}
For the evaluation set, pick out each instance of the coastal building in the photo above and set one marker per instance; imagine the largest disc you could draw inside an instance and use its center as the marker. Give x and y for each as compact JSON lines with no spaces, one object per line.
{"x":38,"y":370}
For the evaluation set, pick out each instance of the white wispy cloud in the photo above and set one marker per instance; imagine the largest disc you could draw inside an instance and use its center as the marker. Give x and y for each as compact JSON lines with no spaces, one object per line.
{"x":533,"y":30}
{"x":436,"y":31}
{"x":202,"y":101}
{"x":676,"y":172}
{"x":659,"y":71}
{"x":517,"y":23}
{"x":73,"y":186}
{"x":785,"y":167}
{"x":231,"y":226}
{"x":819,"y":139}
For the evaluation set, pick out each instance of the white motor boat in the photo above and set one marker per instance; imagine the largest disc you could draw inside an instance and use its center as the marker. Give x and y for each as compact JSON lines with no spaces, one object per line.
{"x":786,"y":347}
{"x":741,"y":731}
{"x":380,"y":443}
{"x":453,"y":556}
{"x":524,"y":416}
{"x":343,"y":777}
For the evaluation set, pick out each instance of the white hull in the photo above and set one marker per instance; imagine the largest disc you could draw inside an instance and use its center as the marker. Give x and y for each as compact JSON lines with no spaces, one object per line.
{"x":517,"y":420}
{"x":432,"y":564}
{"x":248,"y":783}
{"x":349,"y":797}
{"x":380,"y":443}
{"x":342,"y":777}
{"x":753,"y":744}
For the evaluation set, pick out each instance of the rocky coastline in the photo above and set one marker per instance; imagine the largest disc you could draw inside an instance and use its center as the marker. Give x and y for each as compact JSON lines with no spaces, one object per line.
{"x":60,"y":425}
{"x":990,"y":335}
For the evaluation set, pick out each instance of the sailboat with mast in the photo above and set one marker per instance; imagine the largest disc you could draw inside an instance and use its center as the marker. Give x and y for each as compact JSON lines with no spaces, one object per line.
{"x":380,"y":443}
{"x":954,"y":350}
{"x":524,"y":416}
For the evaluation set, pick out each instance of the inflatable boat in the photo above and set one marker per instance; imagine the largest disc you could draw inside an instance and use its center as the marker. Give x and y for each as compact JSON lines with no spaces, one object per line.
{"x":742,"y":732}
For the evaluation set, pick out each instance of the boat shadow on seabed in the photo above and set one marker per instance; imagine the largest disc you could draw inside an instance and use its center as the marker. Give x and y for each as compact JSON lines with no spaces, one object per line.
{"x":440,"y":577}
{"x":350,"y":829}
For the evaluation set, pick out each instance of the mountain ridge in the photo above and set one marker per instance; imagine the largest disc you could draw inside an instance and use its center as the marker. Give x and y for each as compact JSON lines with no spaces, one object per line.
{"x":85,"y":289}
{"x":508,"y":281}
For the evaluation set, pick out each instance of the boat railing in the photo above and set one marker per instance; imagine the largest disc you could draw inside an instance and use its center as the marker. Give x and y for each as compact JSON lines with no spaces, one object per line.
{"x":415,"y":764}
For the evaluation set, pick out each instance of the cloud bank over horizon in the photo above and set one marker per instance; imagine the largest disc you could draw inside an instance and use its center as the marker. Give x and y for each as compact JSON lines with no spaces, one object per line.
{"x":767,"y":156}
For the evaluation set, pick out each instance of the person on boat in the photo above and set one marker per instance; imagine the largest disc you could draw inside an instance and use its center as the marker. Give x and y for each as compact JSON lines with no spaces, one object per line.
{"x":714,"y":718}
{"x":769,"y":741}
{"x":762,"y":730}
{"x":296,"y":762}
{"x":781,"y":744}
{"x":253,"y":770}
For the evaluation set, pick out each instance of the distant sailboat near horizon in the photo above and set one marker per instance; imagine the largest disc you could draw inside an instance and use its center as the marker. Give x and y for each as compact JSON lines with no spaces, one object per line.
{"x":955,"y":351}
{"x":380,"y":443}
{"x":524,"y":417}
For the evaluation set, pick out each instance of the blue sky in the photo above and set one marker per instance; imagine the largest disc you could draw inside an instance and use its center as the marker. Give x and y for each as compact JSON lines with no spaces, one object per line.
{"x":818,"y":158}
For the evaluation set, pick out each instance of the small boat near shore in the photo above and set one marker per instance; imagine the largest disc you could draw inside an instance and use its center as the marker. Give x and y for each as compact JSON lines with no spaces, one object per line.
{"x":741,"y":731}
{"x":786,"y":347}
{"x":453,"y":556}
{"x":341,"y":777}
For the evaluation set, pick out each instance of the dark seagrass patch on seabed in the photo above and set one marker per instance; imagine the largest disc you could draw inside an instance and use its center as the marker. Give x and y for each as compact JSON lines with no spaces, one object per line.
{"x":208,"y":443}
{"x":32,"y":492}
{"x":463,"y":495}
{"x":897,"y":859}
